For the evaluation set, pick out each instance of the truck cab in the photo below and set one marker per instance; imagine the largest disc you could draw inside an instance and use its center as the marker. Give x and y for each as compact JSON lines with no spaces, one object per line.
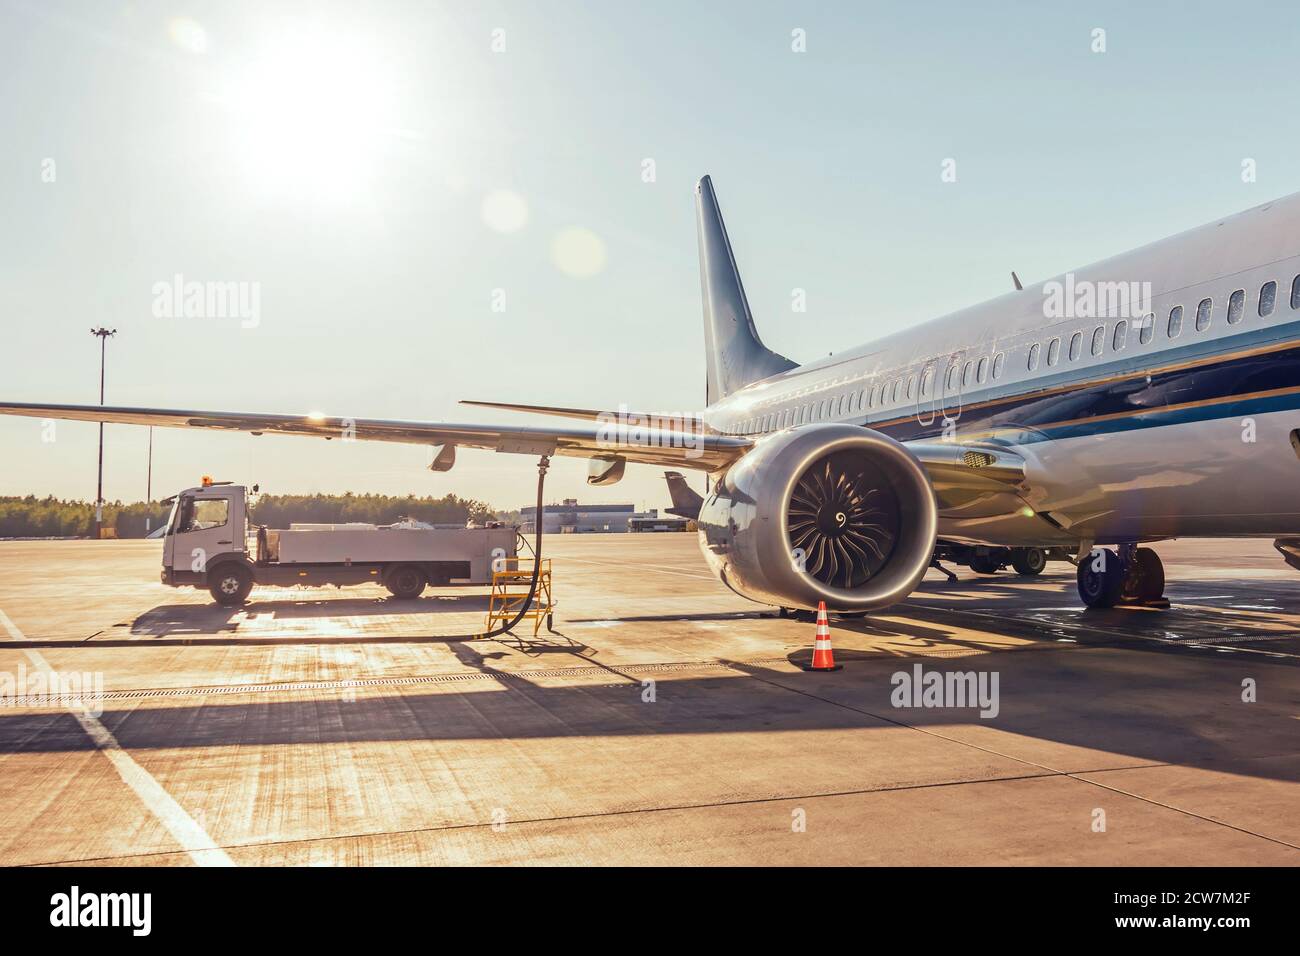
{"x":208,"y":529}
{"x":209,"y":544}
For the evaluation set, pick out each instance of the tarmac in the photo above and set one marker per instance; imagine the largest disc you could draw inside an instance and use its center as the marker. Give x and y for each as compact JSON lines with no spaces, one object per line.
{"x":666,"y":721}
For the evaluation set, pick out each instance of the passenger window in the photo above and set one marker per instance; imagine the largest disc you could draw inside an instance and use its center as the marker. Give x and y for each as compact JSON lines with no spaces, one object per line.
{"x":926,"y":377}
{"x":966,"y":373}
{"x":952,"y":378}
{"x":1121,"y":334}
{"x":1175,"y":321}
{"x":1203,"y":314}
{"x":1034,"y":351}
{"x":1053,"y":351}
{"x":1098,"y":339}
{"x":1236,"y":306}
{"x":894,"y":394}
{"x":982,"y":370}
{"x":840,"y":408}
{"x":1076,"y":345}
{"x":1295,"y":293}
{"x":1267,"y":296}
{"x":911,"y":385}
{"x":1146,"y":327}
{"x":997,"y":364}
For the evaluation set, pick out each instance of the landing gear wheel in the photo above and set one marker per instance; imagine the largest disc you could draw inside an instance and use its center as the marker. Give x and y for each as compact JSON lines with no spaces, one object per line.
{"x":406,"y":582}
{"x":1028,"y":561}
{"x":984,"y":564}
{"x":230,"y":585}
{"x":1146,"y":577}
{"x":1100,"y":586}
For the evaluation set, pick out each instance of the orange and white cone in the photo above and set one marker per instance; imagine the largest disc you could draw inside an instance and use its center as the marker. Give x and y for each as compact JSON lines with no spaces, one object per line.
{"x":823,"y":658}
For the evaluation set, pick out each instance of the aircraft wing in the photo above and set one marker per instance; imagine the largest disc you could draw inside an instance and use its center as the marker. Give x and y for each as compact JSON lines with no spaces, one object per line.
{"x":681,"y":449}
{"x":957,"y":470}
{"x":659,"y":419}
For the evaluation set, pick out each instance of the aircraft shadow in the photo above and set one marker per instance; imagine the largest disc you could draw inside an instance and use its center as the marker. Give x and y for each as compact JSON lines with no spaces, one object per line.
{"x":1114,"y":713}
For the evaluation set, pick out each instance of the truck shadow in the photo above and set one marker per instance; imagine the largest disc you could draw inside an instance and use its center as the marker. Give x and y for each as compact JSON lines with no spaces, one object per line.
{"x":195,"y":619}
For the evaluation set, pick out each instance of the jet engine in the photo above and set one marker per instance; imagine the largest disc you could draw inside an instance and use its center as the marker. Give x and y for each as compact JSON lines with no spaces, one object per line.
{"x":822,"y":512}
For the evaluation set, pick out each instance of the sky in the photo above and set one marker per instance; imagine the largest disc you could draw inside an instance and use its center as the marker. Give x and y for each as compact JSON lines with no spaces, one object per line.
{"x":423,"y":202}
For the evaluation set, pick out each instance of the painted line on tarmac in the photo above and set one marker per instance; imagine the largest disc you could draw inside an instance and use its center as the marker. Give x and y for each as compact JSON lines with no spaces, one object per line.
{"x":184,"y":829}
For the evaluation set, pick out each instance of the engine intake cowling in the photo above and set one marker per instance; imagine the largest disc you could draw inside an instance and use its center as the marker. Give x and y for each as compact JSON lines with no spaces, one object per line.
{"x":830,"y":512}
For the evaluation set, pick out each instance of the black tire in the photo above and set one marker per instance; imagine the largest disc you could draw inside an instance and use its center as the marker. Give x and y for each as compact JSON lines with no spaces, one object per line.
{"x":1100,"y":588}
{"x":1147,"y":576}
{"x":1029,"y":561}
{"x":230,"y":585}
{"x":985,"y":564}
{"x":406,"y":582}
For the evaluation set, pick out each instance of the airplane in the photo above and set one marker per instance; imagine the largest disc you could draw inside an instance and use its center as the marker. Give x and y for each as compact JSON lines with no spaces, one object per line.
{"x":1144,"y":397}
{"x":687,"y":502}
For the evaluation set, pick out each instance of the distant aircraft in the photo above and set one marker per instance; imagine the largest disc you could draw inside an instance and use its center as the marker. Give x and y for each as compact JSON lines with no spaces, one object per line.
{"x":1147,"y":396}
{"x":686,"y":500}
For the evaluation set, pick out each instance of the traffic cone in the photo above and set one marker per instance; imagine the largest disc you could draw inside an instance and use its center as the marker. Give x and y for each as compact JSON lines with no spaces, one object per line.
{"x":823,"y":658}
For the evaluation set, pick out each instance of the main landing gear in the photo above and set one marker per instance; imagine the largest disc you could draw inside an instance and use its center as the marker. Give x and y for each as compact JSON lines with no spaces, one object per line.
{"x":1129,"y":576}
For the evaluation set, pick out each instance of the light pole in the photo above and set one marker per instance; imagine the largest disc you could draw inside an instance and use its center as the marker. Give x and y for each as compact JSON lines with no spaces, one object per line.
{"x":148,"y":494}
{"x":103,"y":335}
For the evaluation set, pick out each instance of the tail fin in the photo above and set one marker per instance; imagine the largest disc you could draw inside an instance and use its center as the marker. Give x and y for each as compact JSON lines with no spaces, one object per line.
{"x":734,"y":353}
{"x":686,"y":500}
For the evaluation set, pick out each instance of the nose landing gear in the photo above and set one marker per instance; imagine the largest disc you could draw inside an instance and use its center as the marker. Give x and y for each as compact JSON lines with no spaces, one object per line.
{"x":1132,"y":577}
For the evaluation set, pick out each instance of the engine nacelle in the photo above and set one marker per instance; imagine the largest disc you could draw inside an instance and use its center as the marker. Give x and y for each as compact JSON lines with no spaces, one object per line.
{"x":827,"y":512}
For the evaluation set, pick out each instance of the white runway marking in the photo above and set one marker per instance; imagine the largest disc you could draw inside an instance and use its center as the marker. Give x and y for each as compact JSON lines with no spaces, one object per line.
{"x":183,"y":827}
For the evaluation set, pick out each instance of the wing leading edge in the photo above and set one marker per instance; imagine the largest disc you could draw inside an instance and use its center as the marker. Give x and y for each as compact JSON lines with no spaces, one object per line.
{"x":683,"y":449}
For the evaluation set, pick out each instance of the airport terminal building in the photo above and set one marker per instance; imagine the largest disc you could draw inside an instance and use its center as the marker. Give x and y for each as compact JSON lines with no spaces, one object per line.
{"x":569,"y":517}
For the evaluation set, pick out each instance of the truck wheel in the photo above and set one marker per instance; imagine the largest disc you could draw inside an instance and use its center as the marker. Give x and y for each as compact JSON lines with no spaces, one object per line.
{"x":985,"y":564}
{"x":230,"y":585}
{"x":405,"y":582}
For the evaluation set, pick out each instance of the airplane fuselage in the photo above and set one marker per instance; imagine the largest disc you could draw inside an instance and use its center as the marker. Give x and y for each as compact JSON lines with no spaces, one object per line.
{"x":1140,"y":411}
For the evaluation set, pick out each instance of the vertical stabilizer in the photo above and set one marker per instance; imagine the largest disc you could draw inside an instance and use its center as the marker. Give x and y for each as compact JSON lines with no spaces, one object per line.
{"x":686,"y":500}
{"x":734,"y":353}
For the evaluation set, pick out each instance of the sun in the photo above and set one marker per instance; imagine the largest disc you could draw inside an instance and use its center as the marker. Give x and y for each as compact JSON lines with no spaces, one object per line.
{"x":311,"y":113}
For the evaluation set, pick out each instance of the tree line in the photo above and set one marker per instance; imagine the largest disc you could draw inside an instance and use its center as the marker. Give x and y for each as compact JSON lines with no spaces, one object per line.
{"x":51,"y":517}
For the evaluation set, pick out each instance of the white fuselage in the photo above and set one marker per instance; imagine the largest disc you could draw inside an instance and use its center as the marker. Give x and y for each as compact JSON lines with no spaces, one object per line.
{"x":1133,"y":426}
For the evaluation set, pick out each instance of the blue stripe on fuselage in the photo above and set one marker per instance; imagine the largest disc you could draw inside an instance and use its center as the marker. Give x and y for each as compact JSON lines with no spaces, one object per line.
{"x":1141,"y":400}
